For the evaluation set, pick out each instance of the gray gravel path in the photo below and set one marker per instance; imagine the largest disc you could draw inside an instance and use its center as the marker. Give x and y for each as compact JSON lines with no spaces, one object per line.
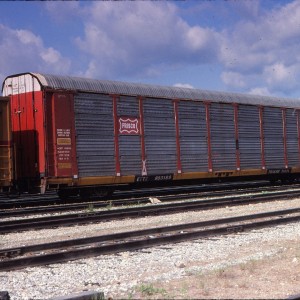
{"x":118,"y":275}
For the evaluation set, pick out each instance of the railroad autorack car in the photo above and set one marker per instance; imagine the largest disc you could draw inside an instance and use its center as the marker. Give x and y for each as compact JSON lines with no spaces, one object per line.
{"x":83,"y":136}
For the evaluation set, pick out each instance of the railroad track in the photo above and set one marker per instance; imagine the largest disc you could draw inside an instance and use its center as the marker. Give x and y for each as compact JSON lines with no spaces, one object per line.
{"x":164,"y":197}
{"x":133,"y":212}
{"x":57,"y":252}
{"x":50,"y":198}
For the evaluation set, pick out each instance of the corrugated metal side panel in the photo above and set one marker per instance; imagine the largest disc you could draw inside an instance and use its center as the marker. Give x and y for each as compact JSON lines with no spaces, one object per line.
{"x":95,"y":135}
{"x":128,"y":106}
{"x":249,"y":137}
{"x":222,"y":137}
{"x":193,"y":144}
{"x":160,"y":136}
{"x":273,"y":138}
{"x":292,"y":137}
{"x":129,"y":145}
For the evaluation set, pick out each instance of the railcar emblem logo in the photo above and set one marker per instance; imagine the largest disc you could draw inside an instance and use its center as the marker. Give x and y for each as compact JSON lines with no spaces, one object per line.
{"x":128,"y":125}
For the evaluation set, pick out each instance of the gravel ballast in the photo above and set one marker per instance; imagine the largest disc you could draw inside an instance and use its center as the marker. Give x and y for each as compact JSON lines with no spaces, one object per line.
{"x":166,"y":271}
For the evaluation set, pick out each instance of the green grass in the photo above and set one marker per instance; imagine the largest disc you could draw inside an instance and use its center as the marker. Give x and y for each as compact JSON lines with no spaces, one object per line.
{"x":90,"y":208}
{"x":149,"y":290}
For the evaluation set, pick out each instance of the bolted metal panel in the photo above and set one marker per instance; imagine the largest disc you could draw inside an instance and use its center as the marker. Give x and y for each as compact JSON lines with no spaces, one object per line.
{"x":292,"y":137}
{"x":160,"y":136}
{"x":249,"y":137}
{"x":222,"y":136}
{"x":193,"y":145}
{"x":94,"y":135}
{"x":273,"y":138}
{"x":129,"y":145}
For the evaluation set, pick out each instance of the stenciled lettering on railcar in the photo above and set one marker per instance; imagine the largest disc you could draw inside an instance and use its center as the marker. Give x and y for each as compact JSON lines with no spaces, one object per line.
{"x":129,"y":125}
{"x":66,"y":132}
{"x":279,"y":171}
{"x":63,"y":148}
{"x":164,"y":177}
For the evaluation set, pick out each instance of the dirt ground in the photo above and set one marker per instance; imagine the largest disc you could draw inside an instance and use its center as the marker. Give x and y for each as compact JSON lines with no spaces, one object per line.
{"x":273,"y":277}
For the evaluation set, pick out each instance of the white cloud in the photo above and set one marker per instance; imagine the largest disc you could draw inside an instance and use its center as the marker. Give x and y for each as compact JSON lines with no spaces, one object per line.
{"x":234,"y":79}
{"x":34,"y":56}
{"x":255,"y":51}
{"x":51,"y":56}
{"x":264,"y":51}
{"x":198,"y":38}
{"x":183,"y":85}
{"x":135,"y":37}
{"x":148,"y":38}
{"x":279,"y":73}
{"x":63,"y":11}
{"x":262,"y":91}
{"x":27,"y":38}
{"x":247,"y":9}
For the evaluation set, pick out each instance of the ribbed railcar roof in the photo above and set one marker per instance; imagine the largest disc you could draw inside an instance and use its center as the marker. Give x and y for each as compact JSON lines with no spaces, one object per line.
{"x":134,"y":89}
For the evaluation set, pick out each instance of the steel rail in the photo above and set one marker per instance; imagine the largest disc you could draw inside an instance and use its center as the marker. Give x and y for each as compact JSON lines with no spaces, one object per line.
{"x":51,"y":199}
{"x":157,"y":209}
{"x":134,"y":240}
{"x":135,"y":201}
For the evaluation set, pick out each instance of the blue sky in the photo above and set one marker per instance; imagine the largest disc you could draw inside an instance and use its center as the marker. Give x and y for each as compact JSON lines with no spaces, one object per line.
{"x":246,"y":46}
